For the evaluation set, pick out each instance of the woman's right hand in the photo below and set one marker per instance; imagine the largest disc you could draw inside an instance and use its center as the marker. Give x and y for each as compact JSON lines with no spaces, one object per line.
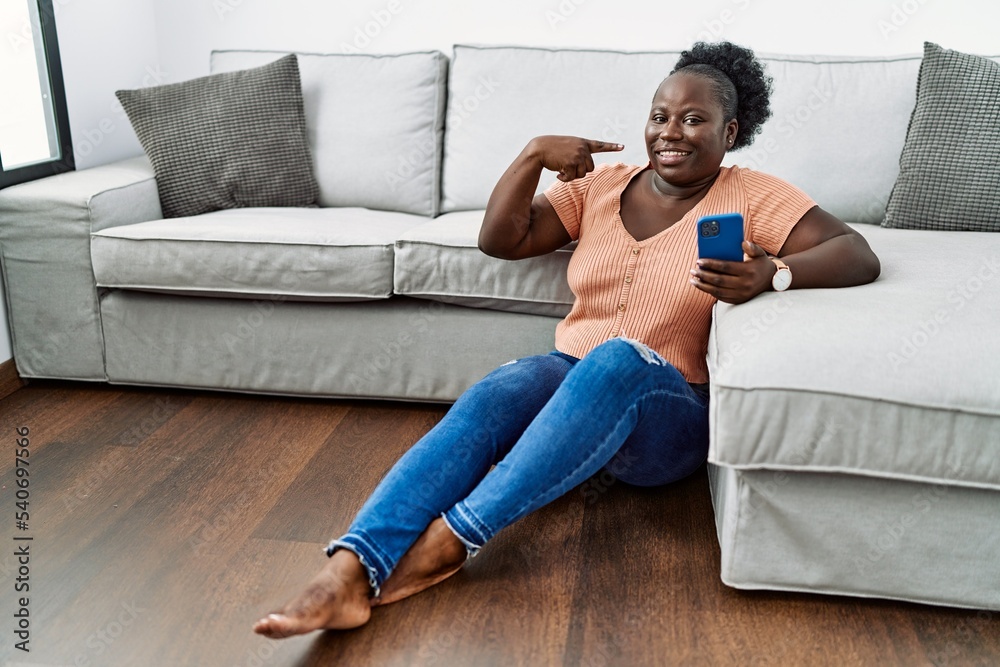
{"x":569,"y":156}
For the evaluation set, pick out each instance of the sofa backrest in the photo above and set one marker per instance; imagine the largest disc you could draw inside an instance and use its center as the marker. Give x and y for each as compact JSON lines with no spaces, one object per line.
{"x":375,"y":124}
{"x":837,"y":130}
{"x":501,"y":97}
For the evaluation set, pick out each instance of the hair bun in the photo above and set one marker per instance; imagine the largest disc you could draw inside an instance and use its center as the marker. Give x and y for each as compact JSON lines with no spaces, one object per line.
{"x":752,"y":103}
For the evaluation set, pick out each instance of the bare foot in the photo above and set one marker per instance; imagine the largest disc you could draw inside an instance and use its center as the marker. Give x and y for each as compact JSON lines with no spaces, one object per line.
{"x":436,"y":555}
{"x":336,"y":599}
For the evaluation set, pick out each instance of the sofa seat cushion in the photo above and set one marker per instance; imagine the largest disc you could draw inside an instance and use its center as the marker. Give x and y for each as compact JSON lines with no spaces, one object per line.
{"x":899,"y":378}
{"x":441,"y":260}
{"x":313,"y":254}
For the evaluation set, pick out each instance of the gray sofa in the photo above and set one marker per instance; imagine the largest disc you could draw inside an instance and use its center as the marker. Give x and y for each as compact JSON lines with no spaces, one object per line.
{"x":855,"y":433}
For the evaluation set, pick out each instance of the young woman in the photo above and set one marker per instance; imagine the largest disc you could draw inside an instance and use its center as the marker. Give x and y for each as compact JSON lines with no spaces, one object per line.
{"x":626,"y":387}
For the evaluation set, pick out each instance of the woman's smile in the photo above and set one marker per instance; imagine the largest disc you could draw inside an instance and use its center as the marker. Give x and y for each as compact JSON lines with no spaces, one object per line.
{"x":687,"y":134}
{"x":669,"y":157}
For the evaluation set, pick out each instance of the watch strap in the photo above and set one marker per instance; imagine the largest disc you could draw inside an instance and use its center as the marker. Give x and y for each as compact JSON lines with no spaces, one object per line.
{"x":782,"y":278}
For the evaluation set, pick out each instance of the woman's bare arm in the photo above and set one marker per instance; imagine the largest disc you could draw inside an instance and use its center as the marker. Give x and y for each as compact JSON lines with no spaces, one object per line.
{"x":820,"y":251}
{"x":519,"y":224}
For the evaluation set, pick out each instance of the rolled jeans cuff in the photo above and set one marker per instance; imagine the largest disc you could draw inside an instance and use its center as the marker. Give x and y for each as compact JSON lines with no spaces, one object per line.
{"x":361,"y":548}
{"x":467,"y":527}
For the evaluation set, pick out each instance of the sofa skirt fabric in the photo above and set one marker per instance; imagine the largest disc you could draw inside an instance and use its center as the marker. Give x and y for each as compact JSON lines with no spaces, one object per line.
{"x":410,"y":349}
{"x":861,"y":536}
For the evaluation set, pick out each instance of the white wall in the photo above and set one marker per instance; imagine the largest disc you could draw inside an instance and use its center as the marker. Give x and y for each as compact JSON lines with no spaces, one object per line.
{"x":105,"y":45}
{"x":112,"y":44}
{"x":189,"y":29}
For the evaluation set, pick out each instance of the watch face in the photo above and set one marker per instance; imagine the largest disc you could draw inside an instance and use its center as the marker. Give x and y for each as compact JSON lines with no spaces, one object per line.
{"x":781,"y":280}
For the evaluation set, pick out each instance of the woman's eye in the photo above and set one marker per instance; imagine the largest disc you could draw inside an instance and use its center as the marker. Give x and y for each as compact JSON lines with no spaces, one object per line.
{"x":692,"y":121}
{"x":658,"y":119}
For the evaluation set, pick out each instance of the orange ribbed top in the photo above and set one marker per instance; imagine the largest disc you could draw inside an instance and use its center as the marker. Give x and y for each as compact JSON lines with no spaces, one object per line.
{"x":640,"y":289}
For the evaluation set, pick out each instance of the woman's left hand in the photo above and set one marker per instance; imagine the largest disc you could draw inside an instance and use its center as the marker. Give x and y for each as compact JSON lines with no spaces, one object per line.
{"x":735,"y":282}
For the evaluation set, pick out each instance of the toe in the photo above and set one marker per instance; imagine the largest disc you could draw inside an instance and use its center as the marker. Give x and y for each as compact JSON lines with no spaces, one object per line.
{"x":275,"y":626}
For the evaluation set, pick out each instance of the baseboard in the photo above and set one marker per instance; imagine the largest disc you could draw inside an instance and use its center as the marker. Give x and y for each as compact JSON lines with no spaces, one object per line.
{"x":10,"y":381}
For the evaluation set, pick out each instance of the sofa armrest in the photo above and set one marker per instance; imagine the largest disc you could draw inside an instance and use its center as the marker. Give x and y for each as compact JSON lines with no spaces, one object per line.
{"x":48,"y":278}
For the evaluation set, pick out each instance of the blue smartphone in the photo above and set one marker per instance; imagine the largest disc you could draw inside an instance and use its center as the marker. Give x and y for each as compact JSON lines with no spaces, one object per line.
{"x":721,"y":237}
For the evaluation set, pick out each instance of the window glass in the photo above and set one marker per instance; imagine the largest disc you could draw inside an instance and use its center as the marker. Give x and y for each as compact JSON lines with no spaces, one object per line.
{"x":27,"y":121}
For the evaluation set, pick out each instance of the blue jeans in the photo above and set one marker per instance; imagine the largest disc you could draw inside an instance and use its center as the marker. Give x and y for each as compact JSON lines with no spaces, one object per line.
{"x":547,"y":423}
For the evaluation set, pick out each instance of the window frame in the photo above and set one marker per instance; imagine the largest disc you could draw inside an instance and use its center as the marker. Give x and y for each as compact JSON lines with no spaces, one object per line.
{"x":50,"y":48}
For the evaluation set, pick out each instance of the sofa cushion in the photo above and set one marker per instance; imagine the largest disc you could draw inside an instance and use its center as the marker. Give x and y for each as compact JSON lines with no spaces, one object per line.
{"x":375,"y":125}
{"x":836,"y":131}
{"x":501,"y":97}
{"x":898,"y":378}
{"x":227,"y":140}
{"x":950,"y":167}
{"x":302,"y":254}
{"x":441,"y":260}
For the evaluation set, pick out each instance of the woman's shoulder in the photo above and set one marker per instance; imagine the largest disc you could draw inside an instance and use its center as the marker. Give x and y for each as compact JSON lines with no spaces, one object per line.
{"x":765,"y":198}
{"x":756,"y":187}
{"x":753,"y":180}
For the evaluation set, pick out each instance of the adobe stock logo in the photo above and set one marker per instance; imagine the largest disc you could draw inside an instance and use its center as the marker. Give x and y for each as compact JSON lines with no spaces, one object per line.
{"x":967,"y":289}
{"x":899,"y":17}
{"x":713,"y":29}
{"x":225,"y":7}
{"x":25,"y":36}
{"x":363,"y":35}
{"x":562,"y":12}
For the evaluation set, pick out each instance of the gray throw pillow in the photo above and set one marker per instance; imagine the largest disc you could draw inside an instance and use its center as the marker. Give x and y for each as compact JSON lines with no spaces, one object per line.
{"x":949,"y":170}
{"x":228,"y":140}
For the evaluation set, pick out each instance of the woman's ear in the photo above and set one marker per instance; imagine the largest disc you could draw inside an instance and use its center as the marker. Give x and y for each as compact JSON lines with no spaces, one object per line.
{"x":732,"y":129}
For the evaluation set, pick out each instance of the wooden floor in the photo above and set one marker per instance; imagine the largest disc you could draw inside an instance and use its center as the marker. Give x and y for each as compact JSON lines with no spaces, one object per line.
{"x":165,"y":522}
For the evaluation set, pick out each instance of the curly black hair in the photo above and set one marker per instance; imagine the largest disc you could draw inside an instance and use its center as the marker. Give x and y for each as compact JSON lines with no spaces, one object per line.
{"x":740,"y":83}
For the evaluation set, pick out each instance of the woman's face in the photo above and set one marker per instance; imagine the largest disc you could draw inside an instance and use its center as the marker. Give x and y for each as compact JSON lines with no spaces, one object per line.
{"x":686,"y":134}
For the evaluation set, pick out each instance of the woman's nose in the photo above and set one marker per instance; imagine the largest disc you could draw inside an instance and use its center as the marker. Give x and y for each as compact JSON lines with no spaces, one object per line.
{"x":671,"y":130}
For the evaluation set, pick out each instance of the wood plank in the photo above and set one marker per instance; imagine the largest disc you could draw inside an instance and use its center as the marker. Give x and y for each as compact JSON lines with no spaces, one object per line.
{"x":323,"y":500}
{"x":166,"y":522}
{"x":181,"y":513}
{"x":50,"y":408}
{"x":129,"y":416}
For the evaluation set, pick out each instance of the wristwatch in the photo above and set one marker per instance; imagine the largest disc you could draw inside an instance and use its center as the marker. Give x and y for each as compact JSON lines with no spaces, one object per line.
{"x":782,"y":278}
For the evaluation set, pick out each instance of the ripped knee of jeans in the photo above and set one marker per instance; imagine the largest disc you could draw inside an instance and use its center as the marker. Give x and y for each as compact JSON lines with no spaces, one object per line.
{"x":512,"y":361}
{"x":648,"y":354}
